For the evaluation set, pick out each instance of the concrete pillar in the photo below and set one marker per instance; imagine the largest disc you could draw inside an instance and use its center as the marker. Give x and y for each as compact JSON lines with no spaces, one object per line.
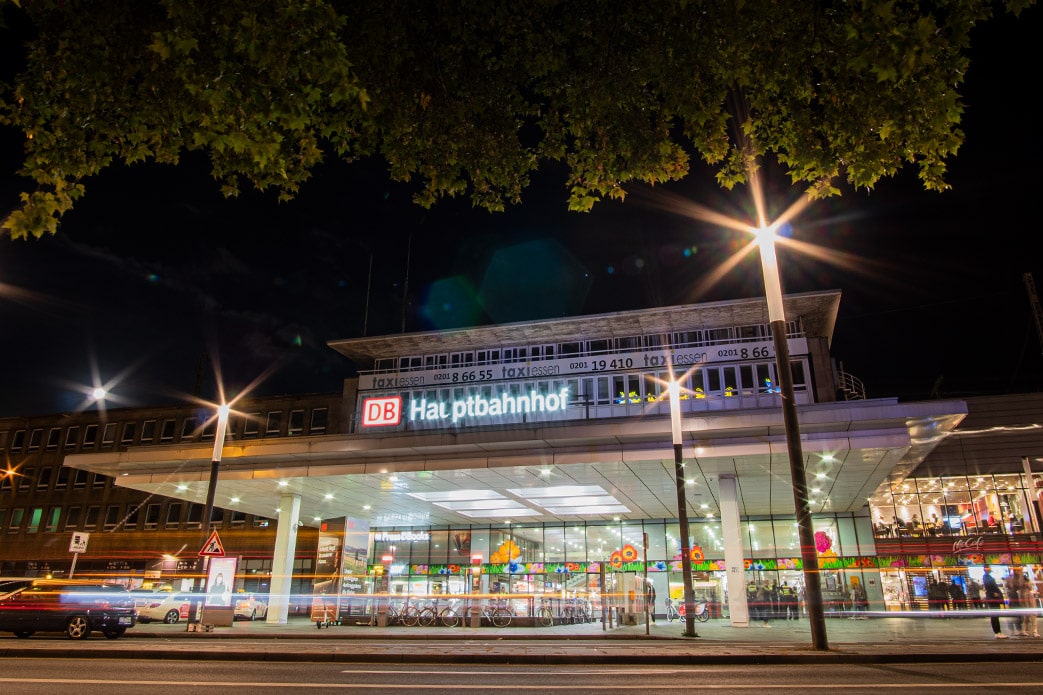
{"x":282,"y":559}
{"x":734,"y":562}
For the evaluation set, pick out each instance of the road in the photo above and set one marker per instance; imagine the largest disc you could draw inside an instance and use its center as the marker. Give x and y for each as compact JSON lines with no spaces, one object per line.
{"x":104,"y":676}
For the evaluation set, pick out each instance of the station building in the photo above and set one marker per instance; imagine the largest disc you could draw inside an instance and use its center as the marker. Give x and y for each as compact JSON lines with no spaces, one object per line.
{"x":535,"y":460}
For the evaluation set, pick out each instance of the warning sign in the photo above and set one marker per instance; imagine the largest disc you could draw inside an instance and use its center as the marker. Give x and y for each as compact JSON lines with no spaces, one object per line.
{"x":213,"y":547}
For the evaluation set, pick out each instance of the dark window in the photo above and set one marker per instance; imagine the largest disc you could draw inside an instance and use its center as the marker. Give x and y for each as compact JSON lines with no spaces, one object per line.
{"x":80,"y":481}
{"x":173,"y":514}
{"x":99,"y":480}
{"x":112,"y":516}
{"x":53,"y":437}
{"x":251,"y":426}
{"x":274,"y":426}
{"x":195,"y":514}
{"x":18,"y":441}
{"x":148,"y":432}
{"x":72,"y":517}
{"x":53,"y":516}
{"x":44,"y":481}
{"x":91,"y":520}
{"x":167,"y":434}
{"x":108,"y":435}
{"x":71,"y":435}
{"x":17,"y":515}
{"x":319,"y":417}
{"x":188,"y":429}
{"x":296,"y":424}
{"x":129,"y":430}
{"x":152,"y":515}
{"x":26,"y":481}
{"x":35,"y":439}
{"x":90,"y":436}
{"x":131,"y":522}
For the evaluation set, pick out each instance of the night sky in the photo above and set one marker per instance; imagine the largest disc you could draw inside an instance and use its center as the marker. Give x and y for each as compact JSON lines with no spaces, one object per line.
{"x":155,"y":269}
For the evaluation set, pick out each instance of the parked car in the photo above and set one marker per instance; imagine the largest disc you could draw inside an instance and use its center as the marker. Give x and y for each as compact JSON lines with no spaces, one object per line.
{"x":249,"y":607}
{"x":75,"y":608}
{"x":163,"y":607}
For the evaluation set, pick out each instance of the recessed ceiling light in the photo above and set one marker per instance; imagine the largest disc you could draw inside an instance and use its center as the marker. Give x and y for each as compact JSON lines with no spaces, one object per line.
{"x":284,"y":483}
{"x":366,"y":506}
{"x":328,"y":496}
{"x":182,"y":488}
{"x":234,"y":500}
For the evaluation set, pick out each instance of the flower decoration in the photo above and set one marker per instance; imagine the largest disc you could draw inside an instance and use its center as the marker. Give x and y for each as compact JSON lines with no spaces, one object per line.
{"x":454,"y":569}
{"x":747,"y":564}
{"x":615,"y":560}
{"x":514,"y":567}
{"x":629,"y":553}
{"x":660,"y":566}
{"x":822,"y":541}
{"x":696,"y":554}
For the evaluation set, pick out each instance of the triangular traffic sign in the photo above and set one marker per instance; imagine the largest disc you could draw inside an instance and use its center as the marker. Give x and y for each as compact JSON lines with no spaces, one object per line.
{"x":213,"y":546}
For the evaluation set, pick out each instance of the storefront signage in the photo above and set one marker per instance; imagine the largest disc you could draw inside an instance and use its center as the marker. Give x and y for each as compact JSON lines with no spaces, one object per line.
{"x":974,"y":544}
{"x":402,"y":537}
{"x":382,"y":412}
{"x":476,"y":406}
{"x":567,"y":366}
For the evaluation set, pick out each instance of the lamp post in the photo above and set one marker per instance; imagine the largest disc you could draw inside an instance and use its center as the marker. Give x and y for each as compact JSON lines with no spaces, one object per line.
{"x":777,"y":319}
{"x":674,"y":390}
{"x":211,"y":488}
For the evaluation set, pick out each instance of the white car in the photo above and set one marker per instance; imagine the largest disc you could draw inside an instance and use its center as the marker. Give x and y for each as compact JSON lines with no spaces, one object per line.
{"x":168,"y":608}
{"x":249,"y":607}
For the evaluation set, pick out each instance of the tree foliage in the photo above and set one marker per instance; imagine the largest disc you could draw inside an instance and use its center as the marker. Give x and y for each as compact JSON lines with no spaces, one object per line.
{"x":470,"y":97}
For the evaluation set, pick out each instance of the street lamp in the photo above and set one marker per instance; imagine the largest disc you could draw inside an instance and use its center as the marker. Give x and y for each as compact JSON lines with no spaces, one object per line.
{"x":674,"y":389}
{"x":211,"y":488}
{"x":777,"y":318}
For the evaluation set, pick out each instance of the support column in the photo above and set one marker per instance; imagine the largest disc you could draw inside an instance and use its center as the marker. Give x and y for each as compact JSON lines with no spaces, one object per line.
{"x":282,"y":559}
{"x":734,"y":562}
{"x":1032,"y":522}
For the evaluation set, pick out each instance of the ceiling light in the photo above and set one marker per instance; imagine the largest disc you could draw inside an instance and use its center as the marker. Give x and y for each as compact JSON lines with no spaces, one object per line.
{"x":284,"y":483}
{"x":182,"y":488}
{"x":328,"y":496}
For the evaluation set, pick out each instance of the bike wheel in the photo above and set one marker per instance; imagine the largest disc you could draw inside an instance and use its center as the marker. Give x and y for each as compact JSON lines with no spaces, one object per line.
{"x":703,"y":616}
{"x":428,"y":617}
{"x":410,"y":617}
{"x":393,"y":616}
{"x":501,"y":617}
{"x":449,"y":617}
{"x":545,"y":617}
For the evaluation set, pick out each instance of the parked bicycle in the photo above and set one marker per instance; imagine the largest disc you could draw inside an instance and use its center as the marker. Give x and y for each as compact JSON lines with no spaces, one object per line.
{"x":497,"y":612}
{"x":702,"y":614}
{"x":544,"y":614}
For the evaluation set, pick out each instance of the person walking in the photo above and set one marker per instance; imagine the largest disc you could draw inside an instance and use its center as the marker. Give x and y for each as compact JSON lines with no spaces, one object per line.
{"x":1027,"y":597}
{"x":763,"y":600}
{"x":1012,"y":587}
{"x":993,"y":601}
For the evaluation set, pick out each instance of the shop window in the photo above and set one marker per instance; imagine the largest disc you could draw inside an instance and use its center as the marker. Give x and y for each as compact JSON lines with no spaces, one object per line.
{"x":71,"y":435}
{"x":90,"y":436}
{"x":72,"y":518}
{"x":318,"y":420}
{"x":53,"y":437}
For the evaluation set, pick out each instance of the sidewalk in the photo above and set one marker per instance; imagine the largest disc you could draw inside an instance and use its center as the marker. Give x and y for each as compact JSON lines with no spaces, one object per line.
{"x":878,"y":639}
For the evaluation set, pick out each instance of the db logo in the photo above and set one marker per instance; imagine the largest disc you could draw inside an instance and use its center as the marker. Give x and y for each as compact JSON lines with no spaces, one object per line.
{"x":381,"y":412}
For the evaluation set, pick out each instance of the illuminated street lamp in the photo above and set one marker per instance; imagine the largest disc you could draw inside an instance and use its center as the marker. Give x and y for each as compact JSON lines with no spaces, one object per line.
{"x":777,"y":318}
{"x":674,"y":390}
{"x":211,"y":488}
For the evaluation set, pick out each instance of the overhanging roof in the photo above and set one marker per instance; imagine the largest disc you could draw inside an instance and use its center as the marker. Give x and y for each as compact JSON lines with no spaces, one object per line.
{"x":855,"y":445}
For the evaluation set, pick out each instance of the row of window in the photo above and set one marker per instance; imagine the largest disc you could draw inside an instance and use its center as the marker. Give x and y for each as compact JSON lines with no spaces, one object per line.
{"x":276,"y":423}
{"x":581,"y":348}
{"x":644,"y":387}
{"x":41,"y":479}
{"x":115,"y":517}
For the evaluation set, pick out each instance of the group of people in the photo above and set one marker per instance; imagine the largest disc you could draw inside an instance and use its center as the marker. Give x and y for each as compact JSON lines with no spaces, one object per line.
{"x":770,"y":600}
{"x":940,"y":527}
{"x":1021,"y":594}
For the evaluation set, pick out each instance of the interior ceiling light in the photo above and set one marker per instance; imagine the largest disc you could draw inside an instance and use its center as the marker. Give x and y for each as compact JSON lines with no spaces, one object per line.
{"x":594,"y":509}
{"x":500,"y":513}
{"x":456,"y":495}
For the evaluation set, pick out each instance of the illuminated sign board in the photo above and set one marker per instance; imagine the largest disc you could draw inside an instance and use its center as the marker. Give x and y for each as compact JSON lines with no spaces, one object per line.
{"x":402,"y":536}
{"x":379,"y":412}
{"x":382,"y":412}
{"x":587,"y":364}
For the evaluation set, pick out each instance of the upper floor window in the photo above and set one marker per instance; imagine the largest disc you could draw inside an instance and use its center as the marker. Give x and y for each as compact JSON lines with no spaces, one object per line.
{"x":148,"y":432}
{"x":318,"y":420}
{"x":295,"y":425}
{"x":274,"y":426}
{"x":251,"y":425}
{"x":35,"y":439}
{"x":44,"y":480}
{"x":166,"y":434}
{"x":53,"y":437}
{"x":90,"y":436}
{"x":26,"y":481}
{"x":129,"y":430}
{"x":108,"y":434}
{"x":188,"y":429}
{"x":71,"y":435}
{"x":18,"y":440}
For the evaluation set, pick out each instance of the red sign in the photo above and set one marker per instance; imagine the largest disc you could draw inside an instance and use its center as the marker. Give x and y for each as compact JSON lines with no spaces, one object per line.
{"x":381,"y":412}
{"x":213,"y":547}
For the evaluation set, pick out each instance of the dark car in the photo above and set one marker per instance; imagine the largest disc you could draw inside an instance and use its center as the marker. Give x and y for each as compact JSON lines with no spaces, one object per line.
{"x":75,"y":608}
